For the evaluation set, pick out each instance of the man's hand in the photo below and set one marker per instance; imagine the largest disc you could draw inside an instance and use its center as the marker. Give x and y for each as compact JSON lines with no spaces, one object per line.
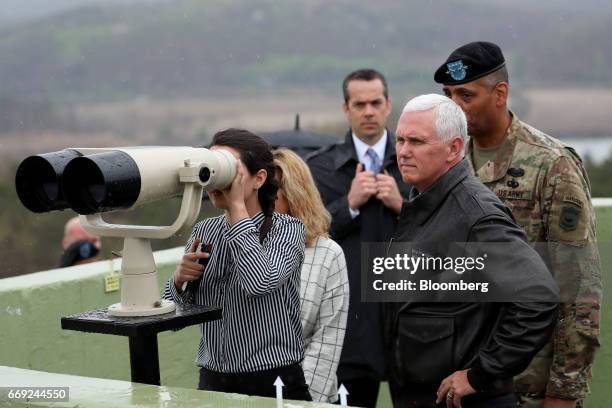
{"x":362,"y":188}
{"x":453,"y":388}
{"x":387,"y":191}
{"x":550,"y":402}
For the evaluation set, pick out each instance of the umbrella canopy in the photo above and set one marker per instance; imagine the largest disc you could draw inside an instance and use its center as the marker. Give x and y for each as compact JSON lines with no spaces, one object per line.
{"x":298,"y":140}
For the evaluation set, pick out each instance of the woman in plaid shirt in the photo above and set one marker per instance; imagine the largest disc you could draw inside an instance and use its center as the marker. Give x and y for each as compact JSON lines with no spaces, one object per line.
{"x":324,"y":289}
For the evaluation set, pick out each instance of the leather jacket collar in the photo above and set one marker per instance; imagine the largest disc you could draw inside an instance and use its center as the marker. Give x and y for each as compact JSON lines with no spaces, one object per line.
{"x":425,"y":204}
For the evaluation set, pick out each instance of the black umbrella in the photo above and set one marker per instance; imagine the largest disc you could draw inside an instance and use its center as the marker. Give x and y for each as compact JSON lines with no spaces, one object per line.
{"x":296,"y":139}
{"x":300,"y":141}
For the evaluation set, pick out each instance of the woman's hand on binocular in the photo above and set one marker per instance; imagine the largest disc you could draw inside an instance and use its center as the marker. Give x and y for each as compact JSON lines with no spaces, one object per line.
{"x":189,"y":269}
{"x":235,"y":195}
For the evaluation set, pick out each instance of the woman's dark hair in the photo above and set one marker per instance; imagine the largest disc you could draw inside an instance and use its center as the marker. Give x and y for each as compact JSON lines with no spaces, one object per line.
{"x":256,"y":154}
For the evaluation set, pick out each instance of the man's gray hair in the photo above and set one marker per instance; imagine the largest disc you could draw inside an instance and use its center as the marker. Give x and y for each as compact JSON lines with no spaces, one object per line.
{"x":450,"y":119}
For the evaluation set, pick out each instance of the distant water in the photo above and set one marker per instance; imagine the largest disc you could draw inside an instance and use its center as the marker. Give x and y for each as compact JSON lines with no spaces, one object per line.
{"x":598,"y":148}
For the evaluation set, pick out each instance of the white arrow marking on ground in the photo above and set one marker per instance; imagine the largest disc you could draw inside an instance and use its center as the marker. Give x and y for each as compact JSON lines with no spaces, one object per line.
{"x":342,"y":392}
{"x":279,"y":392}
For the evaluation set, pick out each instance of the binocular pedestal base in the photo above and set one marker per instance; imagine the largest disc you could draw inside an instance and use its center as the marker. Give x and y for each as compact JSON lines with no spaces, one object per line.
{"x":142,"y":331}
{"x":166,"y":306}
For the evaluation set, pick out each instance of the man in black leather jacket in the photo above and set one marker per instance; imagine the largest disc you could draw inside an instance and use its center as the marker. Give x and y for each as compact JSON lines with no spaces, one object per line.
{"x":461,"y":353}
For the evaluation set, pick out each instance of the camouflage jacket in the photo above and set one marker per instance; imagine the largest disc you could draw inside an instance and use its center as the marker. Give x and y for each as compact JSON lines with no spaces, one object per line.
{"x":546,"y":187}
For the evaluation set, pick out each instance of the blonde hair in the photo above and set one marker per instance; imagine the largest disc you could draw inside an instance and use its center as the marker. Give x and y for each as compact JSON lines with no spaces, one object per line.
{"x":302,"y":195}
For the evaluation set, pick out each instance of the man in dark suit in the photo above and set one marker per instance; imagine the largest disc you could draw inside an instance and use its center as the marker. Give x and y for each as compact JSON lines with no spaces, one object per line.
{"x":359,"y":183}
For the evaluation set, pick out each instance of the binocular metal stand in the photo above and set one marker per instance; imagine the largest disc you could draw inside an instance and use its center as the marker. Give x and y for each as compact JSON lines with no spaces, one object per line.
{"x":142,"y":314}
{"x":142,"y":333}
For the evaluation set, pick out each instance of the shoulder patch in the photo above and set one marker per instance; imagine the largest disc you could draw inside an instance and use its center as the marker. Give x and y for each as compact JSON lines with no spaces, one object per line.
{"x":569,"y":218}
{"x":570,"y":212}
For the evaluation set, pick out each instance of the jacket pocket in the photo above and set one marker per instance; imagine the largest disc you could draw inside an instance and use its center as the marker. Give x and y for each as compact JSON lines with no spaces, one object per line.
{"x":424,"y":351}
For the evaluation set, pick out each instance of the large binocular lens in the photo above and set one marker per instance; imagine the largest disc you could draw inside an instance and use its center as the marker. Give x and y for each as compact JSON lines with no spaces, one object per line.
{"x":101,"y":182}
{"x":98,"y":180}
{"x":38,"y":181}
{"x":87,"y":184}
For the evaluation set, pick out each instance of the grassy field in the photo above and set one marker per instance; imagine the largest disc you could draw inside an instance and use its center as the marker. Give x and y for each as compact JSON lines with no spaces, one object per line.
{"x":174,"y":121}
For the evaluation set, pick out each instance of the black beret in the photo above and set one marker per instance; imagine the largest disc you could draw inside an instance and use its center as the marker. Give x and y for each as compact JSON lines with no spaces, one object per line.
{"x":469,"y":62}
{"x":78,"y":251}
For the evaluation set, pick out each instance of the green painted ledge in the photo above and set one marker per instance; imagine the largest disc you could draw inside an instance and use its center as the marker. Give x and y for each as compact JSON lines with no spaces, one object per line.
{"x":31,"y":337}
{"x":99,"y":393}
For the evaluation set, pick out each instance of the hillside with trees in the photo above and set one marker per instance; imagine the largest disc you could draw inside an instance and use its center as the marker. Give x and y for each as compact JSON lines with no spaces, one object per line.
{"x":191,"y":47}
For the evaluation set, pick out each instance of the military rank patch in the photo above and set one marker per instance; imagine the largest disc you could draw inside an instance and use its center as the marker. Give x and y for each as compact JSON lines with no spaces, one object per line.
{"x":512,"y":183}
{"x":515,"y":172}
{"x":569,"y":218}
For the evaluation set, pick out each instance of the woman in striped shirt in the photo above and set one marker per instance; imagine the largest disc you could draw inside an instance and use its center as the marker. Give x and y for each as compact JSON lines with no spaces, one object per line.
{"x":324,"y":290}
{"x":253,"y":272}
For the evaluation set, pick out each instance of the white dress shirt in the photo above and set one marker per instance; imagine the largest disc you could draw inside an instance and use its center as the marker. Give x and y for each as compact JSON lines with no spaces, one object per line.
{"x":361,"y":148}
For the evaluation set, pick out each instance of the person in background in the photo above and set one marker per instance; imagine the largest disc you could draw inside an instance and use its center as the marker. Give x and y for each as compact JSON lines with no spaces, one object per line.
{"x":253,"y":272}
{"x":80,"y":246}
{"x":543,"y":182}
{"x":361,"y":187}
{"x":324,"y":290}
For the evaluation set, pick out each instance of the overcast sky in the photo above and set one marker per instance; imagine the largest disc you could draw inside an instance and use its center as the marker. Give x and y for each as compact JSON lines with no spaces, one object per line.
{"x":12,"y":11}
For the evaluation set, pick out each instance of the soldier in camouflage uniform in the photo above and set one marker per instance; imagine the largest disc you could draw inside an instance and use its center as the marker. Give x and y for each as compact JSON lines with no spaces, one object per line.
{"x":546,"y":187}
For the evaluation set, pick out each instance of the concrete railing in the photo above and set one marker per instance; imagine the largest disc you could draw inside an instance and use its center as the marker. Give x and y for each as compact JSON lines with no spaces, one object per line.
{"x":95,"y":392}
{"x":600,"y":202}
{"x":31,"y":337}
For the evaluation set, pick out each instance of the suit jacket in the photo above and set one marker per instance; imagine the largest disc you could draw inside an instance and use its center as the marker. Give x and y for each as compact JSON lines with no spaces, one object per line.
{"x":333,"y":169}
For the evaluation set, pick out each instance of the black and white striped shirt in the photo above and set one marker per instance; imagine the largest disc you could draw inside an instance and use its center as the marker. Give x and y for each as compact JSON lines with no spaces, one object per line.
{"x":258,"y":286}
